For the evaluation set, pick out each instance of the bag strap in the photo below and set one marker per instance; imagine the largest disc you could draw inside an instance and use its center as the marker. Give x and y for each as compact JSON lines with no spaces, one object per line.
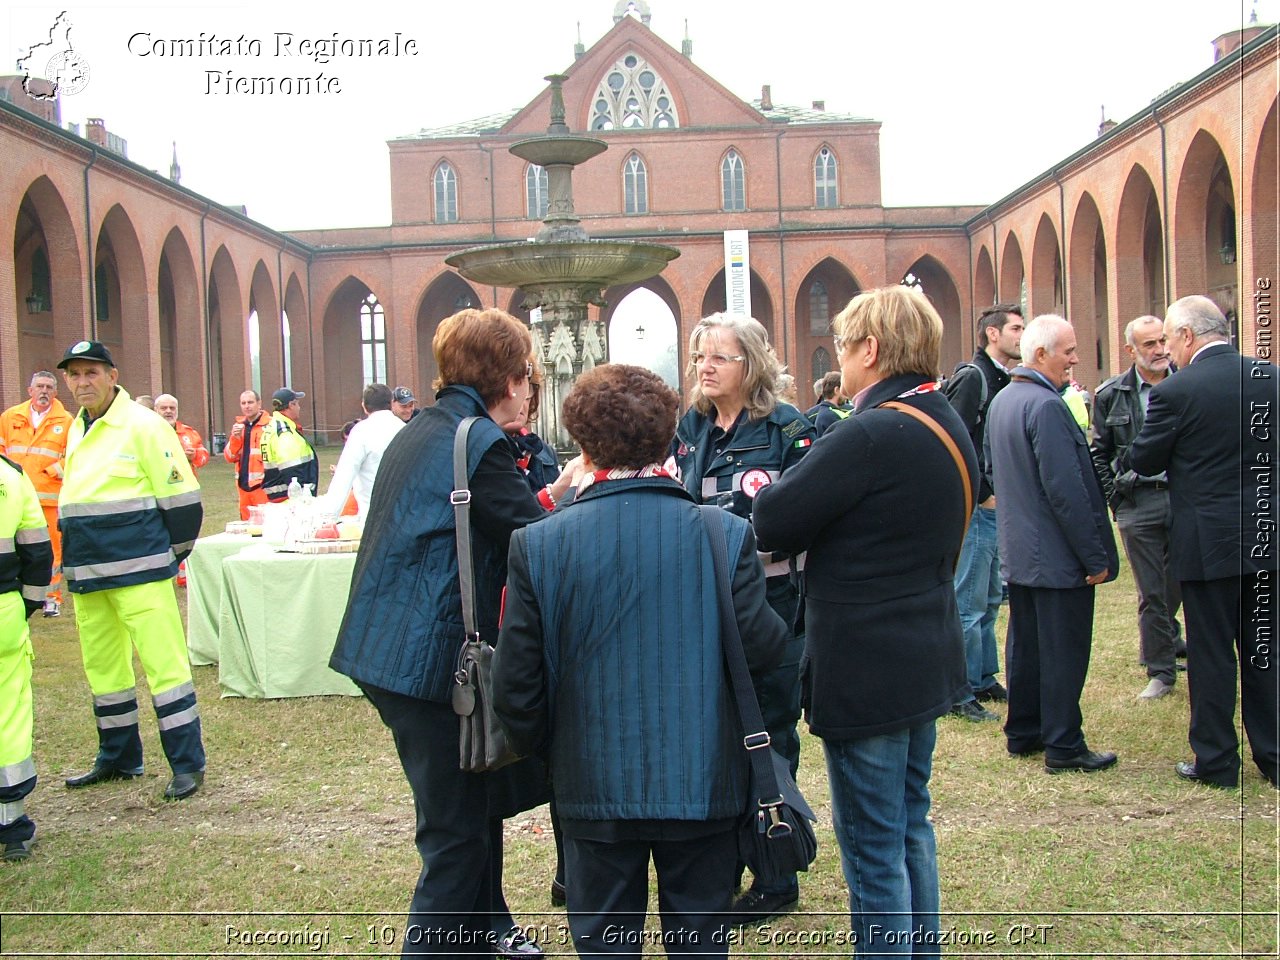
{"x":764,"y":783}
{"x":461,"y":500}
{"x":950,"y":444}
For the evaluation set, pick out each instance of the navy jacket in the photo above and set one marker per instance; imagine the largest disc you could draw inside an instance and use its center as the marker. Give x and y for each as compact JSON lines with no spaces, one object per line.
{"x":403,"y":627}
{"x":972,"y":401}
{"x":879,"y":505}
{"x":1052,"y":519}
{"x":610,"y":652}
{"x":1213,"y":426}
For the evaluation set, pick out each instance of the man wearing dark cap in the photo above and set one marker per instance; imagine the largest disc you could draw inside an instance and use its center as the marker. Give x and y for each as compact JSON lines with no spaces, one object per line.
{"x":286,"y":454}
{"x":129,"y":511}
{"x":404,"y":404}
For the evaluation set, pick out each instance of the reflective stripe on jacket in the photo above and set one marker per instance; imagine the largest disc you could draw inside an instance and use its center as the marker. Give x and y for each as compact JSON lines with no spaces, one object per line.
{"x":40,"y":451}
{"x":26,"y":555}
{"x":248,"y":475}
{"x":130,"y":507}
{"x":286,"y":455}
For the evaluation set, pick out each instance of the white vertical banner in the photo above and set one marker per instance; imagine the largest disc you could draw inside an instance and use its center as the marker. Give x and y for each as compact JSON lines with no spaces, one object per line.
{"x":737,"y":273}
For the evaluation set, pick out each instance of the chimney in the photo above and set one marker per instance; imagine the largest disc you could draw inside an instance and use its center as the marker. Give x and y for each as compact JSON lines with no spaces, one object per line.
{"x":820,"y":105}
{"x":96,"y":131}
{"x":766,"y":97}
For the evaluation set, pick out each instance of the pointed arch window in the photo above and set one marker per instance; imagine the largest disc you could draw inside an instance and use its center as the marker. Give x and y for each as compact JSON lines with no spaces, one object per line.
{"x":446,"y":191}
{"x":41,"y":285}
{"x":635,"y":185}
{"x":733,"y":182}
{"x":824,"y":179}
{"x":535,"y":188}
{"x":821,"y":363}
{"x":373,"y":341}
{"x":819,"y":309}
{"x":633,"y":96}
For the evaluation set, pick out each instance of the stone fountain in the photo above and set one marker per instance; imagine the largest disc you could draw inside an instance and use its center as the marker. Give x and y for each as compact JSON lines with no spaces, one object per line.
{"x":561,"y":271}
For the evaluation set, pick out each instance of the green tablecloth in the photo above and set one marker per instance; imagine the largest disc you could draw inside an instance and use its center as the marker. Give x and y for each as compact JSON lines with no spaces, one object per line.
{"x":204,"y":592}
{"x":278,"y":622}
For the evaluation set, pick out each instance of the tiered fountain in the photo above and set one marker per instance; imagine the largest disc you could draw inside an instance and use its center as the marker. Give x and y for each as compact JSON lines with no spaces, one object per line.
{"x":561,"y":271}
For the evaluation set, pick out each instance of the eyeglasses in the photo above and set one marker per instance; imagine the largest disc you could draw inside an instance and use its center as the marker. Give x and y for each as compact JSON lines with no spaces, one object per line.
{"x":840,"y":343}
{"x":715,"y":359}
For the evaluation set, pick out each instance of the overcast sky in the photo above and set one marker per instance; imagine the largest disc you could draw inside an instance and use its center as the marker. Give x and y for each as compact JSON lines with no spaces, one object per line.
{"x":975,"y":98}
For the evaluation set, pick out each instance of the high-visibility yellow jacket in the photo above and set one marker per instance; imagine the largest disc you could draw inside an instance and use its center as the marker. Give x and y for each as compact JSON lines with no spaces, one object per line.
{"x":286,"y":454}
{"x":130,"y":507}
{"x":38,"y":450}
{"x":26,"y":556}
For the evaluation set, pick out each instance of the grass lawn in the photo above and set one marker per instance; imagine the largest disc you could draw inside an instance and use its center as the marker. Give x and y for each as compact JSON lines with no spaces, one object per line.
{"x":301,"y":841}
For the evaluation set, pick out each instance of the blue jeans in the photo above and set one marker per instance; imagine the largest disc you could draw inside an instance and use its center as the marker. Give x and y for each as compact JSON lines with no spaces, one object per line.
{"x":880,"y":811}
{"x":978,"y":592}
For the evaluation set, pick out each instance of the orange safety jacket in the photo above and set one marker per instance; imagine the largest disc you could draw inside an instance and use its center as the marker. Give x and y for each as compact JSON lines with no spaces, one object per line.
{"x":41,"y":451}
{"x":192,"y":445}
{"x":248,"y":475}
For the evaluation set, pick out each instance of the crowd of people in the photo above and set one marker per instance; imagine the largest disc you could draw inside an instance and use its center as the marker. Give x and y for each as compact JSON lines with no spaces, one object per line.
{"x":870,"y":561}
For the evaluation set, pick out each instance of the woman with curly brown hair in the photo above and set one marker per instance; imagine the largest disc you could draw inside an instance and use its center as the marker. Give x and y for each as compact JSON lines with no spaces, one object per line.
{"x":610,"y":662}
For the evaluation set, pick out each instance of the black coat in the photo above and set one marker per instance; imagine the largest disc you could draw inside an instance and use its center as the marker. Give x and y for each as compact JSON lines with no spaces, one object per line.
{"x":1213,"y":427}
{"x":879,"y":505}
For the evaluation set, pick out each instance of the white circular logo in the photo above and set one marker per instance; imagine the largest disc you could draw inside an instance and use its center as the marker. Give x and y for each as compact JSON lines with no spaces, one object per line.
{"x":753,"y":481}
{"x":69,"y":71}
{"x":82,"y":347}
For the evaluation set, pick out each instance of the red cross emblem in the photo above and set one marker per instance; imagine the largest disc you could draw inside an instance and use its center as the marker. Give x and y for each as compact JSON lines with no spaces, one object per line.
{"x":753,"y":481}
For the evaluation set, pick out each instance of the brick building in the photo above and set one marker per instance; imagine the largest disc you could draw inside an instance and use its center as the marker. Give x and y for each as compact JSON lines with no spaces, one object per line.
{"x":1180,"y":198}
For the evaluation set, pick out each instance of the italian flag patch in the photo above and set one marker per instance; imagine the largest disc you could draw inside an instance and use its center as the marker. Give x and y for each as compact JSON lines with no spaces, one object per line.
{"x":803,"y":442}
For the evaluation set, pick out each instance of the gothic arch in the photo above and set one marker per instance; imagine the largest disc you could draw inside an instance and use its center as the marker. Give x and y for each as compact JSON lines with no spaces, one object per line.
{"x":1205,"y":233}
{"x":984,"y":282}
{"x":715,"y":300}
{"x":1139,"y":254}
{"x":343,"y":362}
{"x":264,"y":302}
{"x":1046,"y":287}
{"x":1087,"y":273}
{"x":940,"y":287}
{"x":43,"y":223}
{"x":228,"y":352}
{"x":181,"y":343}
{"x":1012,"y":272}
{"x":1264,"y":219}
{"x":296,"y":322}
{"x":123,"y":316}
{"x":444,"y":296}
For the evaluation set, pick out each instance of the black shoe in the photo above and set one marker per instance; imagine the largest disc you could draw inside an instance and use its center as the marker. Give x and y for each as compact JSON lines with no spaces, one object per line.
{"x":17,"y":850}
{"x":183,"y":785}
{"x":996,"y":692}
{"x":756,"y":905}
{"x":558,"y":896}
{"x":1186,"y":769}
{"x":974,"y":712}
{"x":514,"y":943}
{"x":1029,"y":750}
{"x":101,"y":774}
{"x":1085,"y":760}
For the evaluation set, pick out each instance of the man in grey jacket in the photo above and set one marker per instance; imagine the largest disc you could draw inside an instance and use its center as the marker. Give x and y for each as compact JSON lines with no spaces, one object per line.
{"x":1055,"y":546}
{"x":1141,"y":503}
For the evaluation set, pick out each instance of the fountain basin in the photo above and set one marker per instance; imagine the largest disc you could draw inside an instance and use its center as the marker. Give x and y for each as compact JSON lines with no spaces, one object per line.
{"x":604,"y":263}
{"x":552,"y":151}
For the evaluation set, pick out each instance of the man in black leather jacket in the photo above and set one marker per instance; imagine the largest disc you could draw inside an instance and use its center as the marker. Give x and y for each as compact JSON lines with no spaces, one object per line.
{"x":1141,"y":504}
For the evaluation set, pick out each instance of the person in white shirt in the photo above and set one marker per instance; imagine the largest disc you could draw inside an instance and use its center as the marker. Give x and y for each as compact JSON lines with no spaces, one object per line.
{"x":358,"y":465}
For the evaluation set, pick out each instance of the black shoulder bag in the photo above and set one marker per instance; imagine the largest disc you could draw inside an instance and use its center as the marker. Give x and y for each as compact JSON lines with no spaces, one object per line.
{"x":775,"y":834}
{"x":482,"y":744}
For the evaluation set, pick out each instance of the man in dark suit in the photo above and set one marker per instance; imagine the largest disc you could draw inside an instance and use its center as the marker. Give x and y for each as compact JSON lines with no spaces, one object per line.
{"x":1055,"y":546}
{"x":1212,"y":427}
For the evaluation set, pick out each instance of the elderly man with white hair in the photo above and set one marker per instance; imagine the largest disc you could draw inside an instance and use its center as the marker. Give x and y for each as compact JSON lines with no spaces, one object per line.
{"x":192,"y":444}
{"x":1055,"y":546}
{"x":1212,"y":426}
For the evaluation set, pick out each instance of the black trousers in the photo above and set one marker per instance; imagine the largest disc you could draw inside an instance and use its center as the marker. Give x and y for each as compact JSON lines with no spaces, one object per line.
{"x":1232,"y":620}
{"x":1046,"y":660}
{"x":608,"y":893}
{"x":457,"y":905}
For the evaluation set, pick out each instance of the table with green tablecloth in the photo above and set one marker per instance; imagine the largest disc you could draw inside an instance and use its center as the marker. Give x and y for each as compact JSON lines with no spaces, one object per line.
{"x":278,"y":622}
{"x":204,"y":592}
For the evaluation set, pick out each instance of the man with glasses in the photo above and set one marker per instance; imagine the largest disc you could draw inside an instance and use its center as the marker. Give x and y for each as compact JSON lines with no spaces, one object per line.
{"x":971,"y":389}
